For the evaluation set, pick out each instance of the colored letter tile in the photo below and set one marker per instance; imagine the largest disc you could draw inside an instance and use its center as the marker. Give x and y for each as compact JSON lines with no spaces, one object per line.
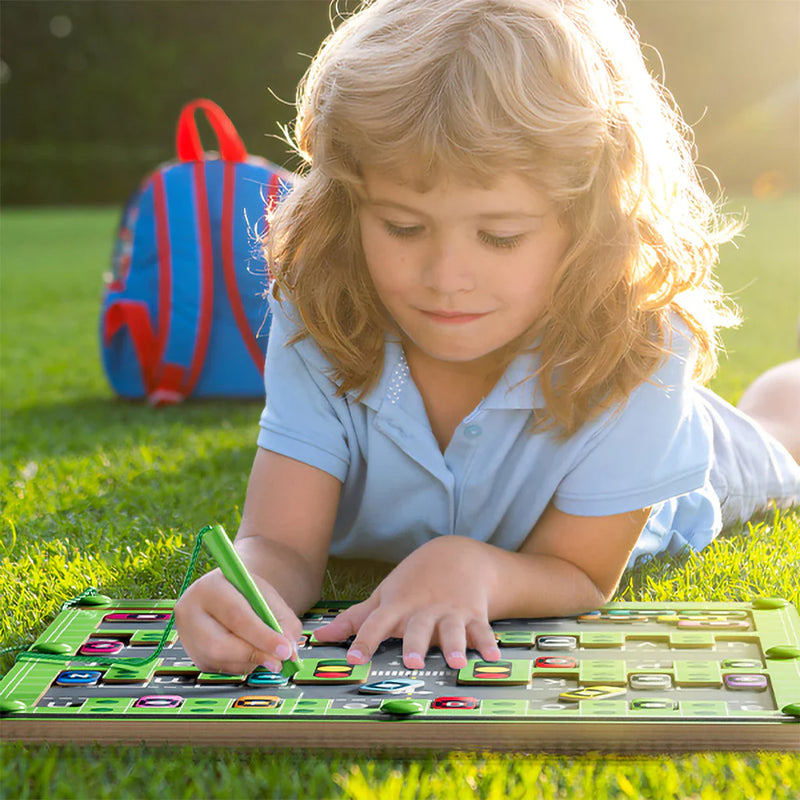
{"x":256,"y":702}
{"x":557,"y":642}
{"x":515,"y":638}
{"x":713,"y":624}
{"x":742,"y":681}
{"x":494,"y":673}
{"x":650,"y":681}
{"x":591,"y":693}
{"x":656,"y":704}
{"x":101,"y":647}
{"x":391,"y":686}
{"x":742,"y":663}
{"x":263,"y":677}
{"x":78,"y":677}
{"x":331,"y":670}
{"x":137,"y":616}
{"x":157,"y":703}
{"x":457,"y":704}
{"x":556,"y":663}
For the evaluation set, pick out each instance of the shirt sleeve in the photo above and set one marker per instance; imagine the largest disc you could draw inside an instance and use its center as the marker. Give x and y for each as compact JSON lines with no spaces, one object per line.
{"x":657,"y":446}
{"x":301,"y":415}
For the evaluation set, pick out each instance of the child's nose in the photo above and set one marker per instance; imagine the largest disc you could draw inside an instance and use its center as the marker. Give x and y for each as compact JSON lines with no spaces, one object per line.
{"x":447,"y":269}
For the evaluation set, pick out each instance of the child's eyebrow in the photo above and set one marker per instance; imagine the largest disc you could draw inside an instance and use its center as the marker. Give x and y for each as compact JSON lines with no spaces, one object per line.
{"x":510,"y":214}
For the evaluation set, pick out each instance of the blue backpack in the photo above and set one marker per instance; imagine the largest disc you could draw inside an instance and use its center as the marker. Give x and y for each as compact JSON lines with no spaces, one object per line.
{"x":184,"y":310}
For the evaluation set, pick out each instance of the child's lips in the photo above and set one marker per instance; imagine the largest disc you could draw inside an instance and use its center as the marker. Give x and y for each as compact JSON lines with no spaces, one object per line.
{"x":453,"y":317}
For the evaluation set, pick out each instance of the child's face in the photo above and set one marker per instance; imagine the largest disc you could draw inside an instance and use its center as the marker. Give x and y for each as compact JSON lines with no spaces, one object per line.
{"x":463,"y":270}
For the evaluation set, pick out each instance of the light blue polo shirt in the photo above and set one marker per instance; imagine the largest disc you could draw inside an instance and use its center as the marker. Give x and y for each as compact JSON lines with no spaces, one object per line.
{"x":495,"y":478}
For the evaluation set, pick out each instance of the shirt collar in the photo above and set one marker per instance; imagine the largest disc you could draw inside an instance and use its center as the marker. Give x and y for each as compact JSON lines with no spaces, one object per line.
{"x":518,"y":388}
{"x":389,"y":385}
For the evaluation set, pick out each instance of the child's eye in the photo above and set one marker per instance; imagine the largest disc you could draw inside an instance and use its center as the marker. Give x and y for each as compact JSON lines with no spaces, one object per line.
{"x":500,"y":241}
{"x":402,"y":231}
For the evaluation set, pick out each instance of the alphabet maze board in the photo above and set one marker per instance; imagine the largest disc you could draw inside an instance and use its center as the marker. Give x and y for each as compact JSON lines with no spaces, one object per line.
{"x":630,"y":677}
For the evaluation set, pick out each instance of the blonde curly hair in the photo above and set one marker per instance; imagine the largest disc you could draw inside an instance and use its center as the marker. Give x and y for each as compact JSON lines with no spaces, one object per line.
{"x":553,"y":90}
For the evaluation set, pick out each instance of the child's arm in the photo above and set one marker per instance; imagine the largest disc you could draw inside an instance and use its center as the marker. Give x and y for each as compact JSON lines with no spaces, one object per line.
{"x":448,"y":590}
{"x":283,"y":539}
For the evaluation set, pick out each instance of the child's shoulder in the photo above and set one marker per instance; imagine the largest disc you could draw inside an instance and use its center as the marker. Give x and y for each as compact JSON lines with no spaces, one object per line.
{"x":672,"y":384}
{"x":680,"y":351}
{"x":286,"y":330}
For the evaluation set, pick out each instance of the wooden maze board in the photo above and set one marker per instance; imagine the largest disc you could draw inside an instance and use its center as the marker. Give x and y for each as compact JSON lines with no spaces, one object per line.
{"x":631,"y":677}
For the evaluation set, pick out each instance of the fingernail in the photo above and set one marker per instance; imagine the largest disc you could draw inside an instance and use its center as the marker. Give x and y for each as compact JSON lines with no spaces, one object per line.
{"x":355,"y":655}
{"x":283,"y":651}
{"x":493,"y":654}
{"x":457,"y":657}
{"x":271,"y":666}
{"x":416,"y":658}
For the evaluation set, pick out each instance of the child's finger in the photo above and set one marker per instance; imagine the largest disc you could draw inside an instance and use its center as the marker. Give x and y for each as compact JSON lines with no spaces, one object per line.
{"x":480,"y":637}
{"x":453,"y":641}
{"x":378,"y":626}
{"x":287,"y":619}
{"x":417,"y":639}
{"x":227,"y":653}
{"x":346,"y":623}
{"x":232,"y":611}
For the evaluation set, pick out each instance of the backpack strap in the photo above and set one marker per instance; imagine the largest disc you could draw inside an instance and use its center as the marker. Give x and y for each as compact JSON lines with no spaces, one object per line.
{"x":135,"y":316}
{"x":229,"y":265}
{"x":181,"y":357}
{"x":190,"y":376}
{"x":189,"y":146}
{"x":149,"y":340}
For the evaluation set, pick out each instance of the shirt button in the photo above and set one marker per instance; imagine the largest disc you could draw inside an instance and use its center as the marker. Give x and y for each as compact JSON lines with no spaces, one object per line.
{"x":473,"y":431}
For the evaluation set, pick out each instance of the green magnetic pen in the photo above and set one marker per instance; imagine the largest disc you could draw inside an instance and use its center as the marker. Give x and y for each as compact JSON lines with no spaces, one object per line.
{"x":236,"y":572}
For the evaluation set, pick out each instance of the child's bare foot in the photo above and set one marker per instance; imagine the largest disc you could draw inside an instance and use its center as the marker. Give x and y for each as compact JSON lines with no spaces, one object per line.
{"x":773,"y":400}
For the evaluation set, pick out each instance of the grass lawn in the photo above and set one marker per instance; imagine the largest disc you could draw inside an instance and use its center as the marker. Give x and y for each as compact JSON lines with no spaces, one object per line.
{"x":98,"y":492}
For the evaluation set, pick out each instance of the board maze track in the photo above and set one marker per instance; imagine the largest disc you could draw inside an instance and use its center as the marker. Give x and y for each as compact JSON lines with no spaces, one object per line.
{"x":630,"y":677}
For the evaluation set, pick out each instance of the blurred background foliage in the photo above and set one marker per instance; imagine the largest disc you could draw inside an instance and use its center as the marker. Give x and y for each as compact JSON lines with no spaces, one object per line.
{"x":90,"y":90}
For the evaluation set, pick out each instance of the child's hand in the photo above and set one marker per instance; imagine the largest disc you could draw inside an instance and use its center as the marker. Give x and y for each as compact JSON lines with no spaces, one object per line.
{"x":221,"y":633}
{"x":440,"y":594}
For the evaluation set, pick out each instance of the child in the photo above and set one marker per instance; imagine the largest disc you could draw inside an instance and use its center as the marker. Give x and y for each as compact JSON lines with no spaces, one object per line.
{"x":492,"y":302}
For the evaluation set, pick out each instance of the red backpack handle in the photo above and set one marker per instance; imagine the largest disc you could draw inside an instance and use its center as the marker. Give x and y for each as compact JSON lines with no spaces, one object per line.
{"x":190,"y":148}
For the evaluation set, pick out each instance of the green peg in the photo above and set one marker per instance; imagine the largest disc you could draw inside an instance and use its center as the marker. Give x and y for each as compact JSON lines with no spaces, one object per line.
{"x":401,"y":707}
